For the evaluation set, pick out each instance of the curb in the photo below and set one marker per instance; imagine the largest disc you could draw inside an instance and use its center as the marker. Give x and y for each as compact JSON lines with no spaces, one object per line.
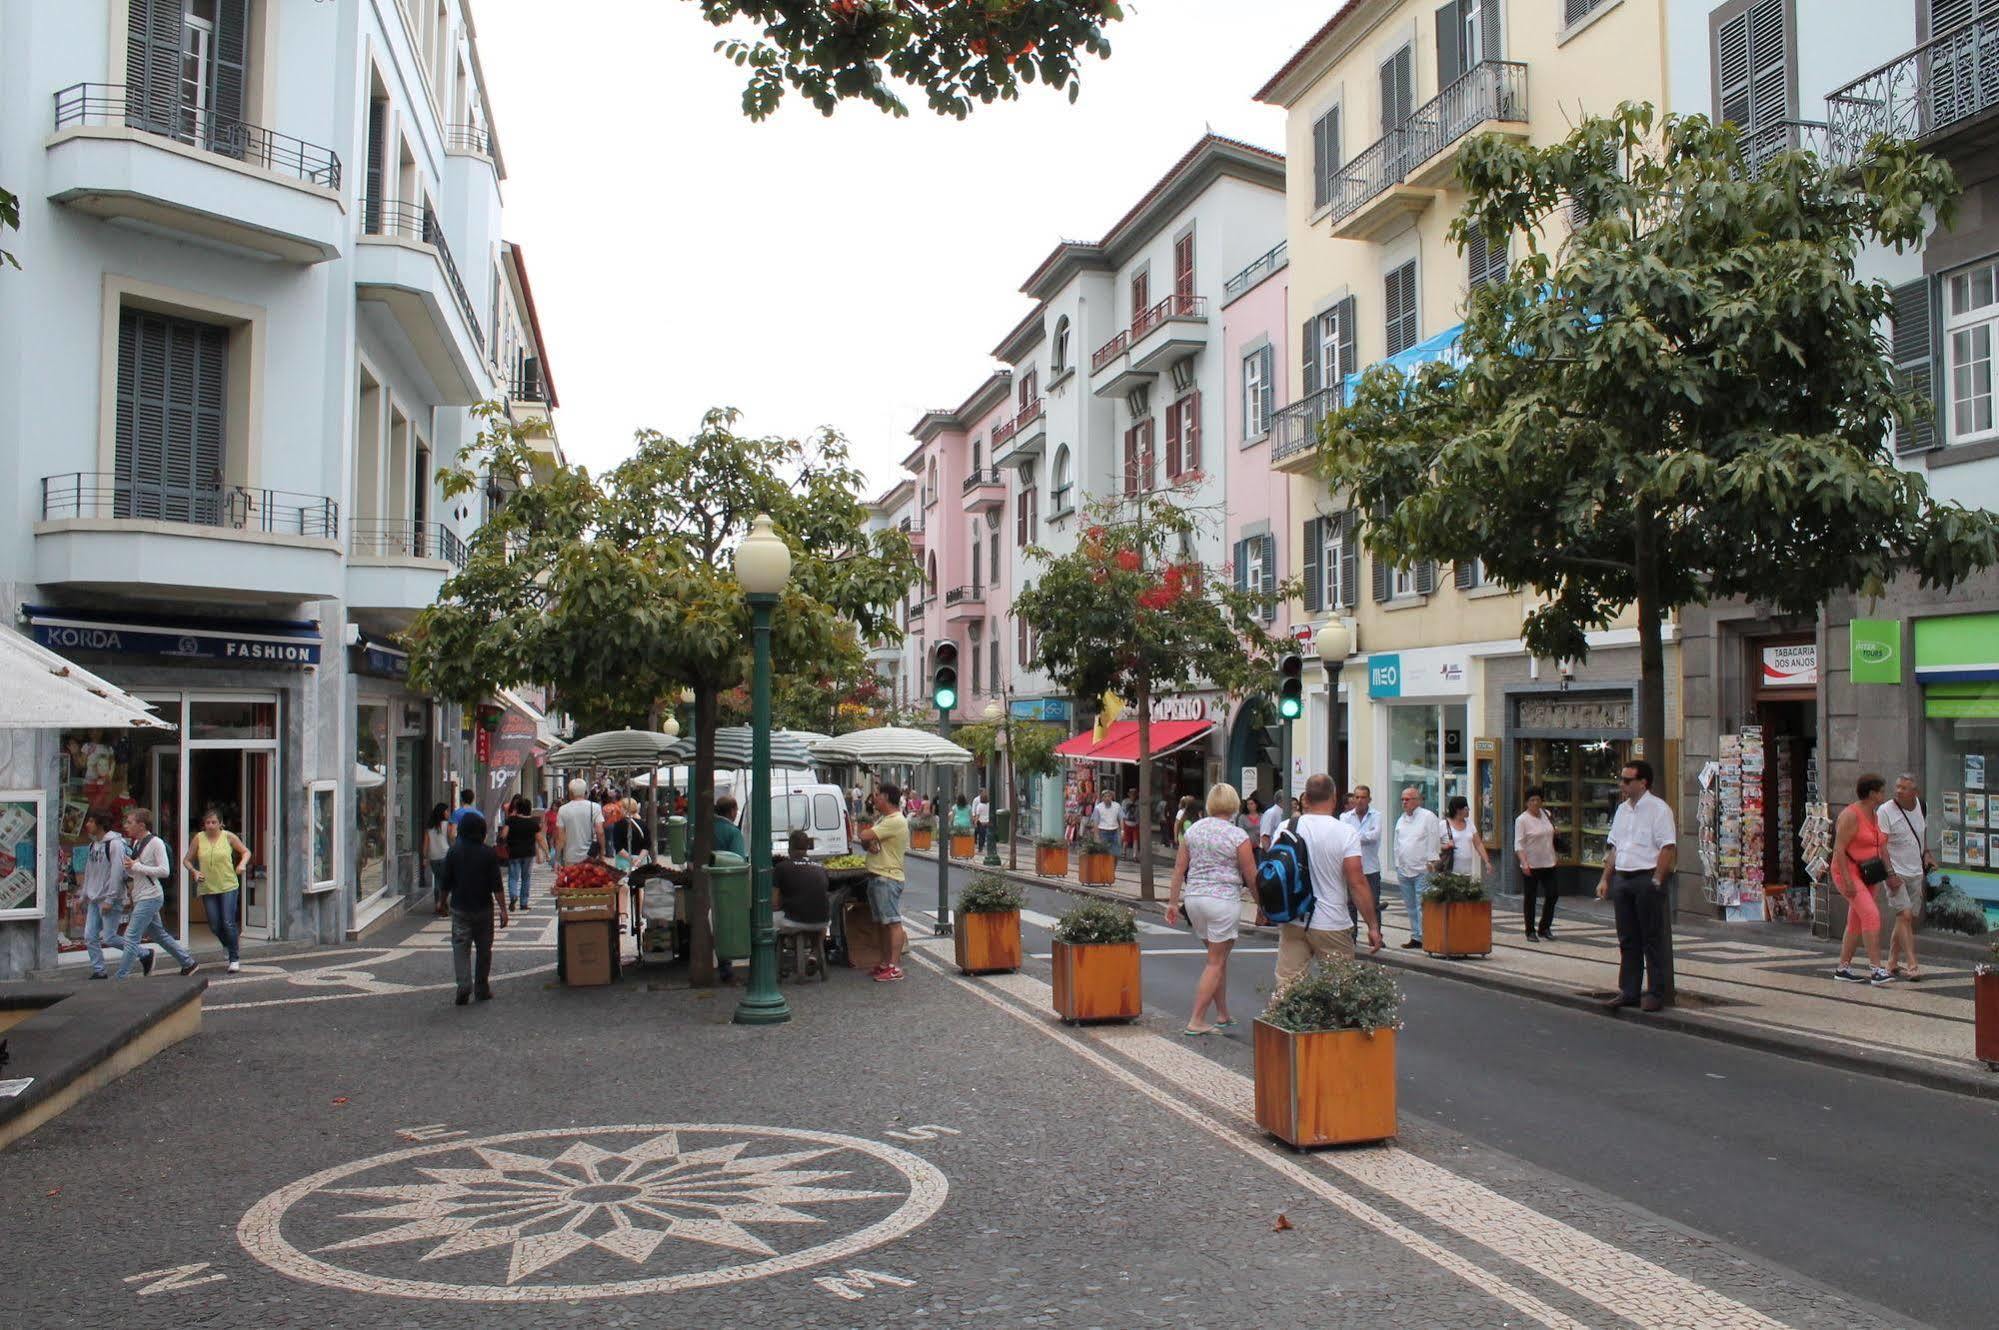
{"x":1970,"y":1081}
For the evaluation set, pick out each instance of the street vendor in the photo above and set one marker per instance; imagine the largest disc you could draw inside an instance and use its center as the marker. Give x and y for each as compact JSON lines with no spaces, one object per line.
{"x":803,"y":888}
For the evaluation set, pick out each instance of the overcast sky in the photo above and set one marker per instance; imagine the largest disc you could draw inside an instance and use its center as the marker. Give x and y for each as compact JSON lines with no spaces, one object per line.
{"x":852,"y":271}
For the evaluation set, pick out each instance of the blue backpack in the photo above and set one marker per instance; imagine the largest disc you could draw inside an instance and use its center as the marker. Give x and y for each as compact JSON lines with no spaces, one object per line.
{"x":1284,"y":880}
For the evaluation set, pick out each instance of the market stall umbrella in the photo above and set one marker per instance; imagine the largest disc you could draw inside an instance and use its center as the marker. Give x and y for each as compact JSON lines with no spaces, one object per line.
{"x":892,"y":745}
{"x":617,"y":748}
{"x":39,"y":690}
{"x":733,"y":744}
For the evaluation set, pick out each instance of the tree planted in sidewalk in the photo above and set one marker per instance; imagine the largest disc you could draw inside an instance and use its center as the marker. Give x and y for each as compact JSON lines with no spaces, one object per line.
{"x":1028,"y":748}
{"x":1687,"y":401}
{"x":1127,"y":612}
{"x":955,"y":52}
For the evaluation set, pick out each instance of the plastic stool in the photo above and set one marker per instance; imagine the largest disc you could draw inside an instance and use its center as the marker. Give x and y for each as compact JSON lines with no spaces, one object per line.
{"x":806,"y":942}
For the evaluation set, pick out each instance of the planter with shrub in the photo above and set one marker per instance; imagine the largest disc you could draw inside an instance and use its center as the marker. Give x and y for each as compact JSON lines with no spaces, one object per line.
{"x":922,"y":832}
{"x":987,"y":936}
{"x":1325,"y":1056}
{"x":961,"y":845}
{"x":1096,"y":963}
{"x":1051,"y":857}
{"x":1457,"y":916}
{"x":1097,"y":867}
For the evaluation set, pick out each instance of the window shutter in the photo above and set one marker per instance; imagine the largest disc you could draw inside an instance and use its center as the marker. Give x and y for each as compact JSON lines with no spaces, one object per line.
{"x":1397,"y":89}
{"x":1450,"y":43}
{"x":1488,"y":31}
{"x":1190,"y":432}
{"x":1314,"y":545}
{"x":1346,"y":336}
{"x":1173,"y":441}
{"x":1325,"y":160}
{"x":1241,"y":562}
{"x":228,"y":74}
{"x":1269,"y":578}
{"x":1770,"y":93}
{"x":1148,"y":462}
{"x":1131,"y":460}
{"x":1465,"y":575}
{"x":378,"y":124}
{"x":1349,"y":562}
{"x":1487,"y":261}
{"x":153,"y":65}
{"x":1912,"y":355}
{"x":1384,"y":578}
{"x":1309,"y":358}
{"x":1183,"y":266}
{"x":1020,"y":519}
{"x":1267,"y":399}
{"x":1426,"y":577}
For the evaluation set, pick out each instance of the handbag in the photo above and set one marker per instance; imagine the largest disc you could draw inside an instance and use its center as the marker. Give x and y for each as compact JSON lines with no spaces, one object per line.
{"x":1874,"y":871}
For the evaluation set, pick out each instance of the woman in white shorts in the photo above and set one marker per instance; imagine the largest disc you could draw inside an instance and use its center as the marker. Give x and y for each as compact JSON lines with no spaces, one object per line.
{"x":1214,"y":867}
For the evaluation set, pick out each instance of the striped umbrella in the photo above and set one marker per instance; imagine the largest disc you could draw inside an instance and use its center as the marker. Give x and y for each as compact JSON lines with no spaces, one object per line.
{"x":733,"y":749}
{"x":891,"y":745}
{"x":616,"y":748}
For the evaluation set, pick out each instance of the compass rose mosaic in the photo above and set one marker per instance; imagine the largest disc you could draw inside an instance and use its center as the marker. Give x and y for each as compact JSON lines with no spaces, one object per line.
{"x":593,"y":1212}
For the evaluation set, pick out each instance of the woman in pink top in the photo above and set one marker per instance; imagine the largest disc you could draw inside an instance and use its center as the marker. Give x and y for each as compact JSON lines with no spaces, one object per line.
{"x":1857,"y":839}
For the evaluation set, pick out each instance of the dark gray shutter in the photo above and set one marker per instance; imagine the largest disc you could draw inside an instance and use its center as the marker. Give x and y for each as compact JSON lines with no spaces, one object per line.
{"x":152,"y":65}
{"x":1241,"y":562}
{"x":1384,"y":578}
{"x":1314,"y":543}
{"x":1397,"y":90}
{"x":1451,"y":62}
{"x":228,"y":73}
{"x":1349,"y":561}
{"x":1465,"y":575}
{"x":1269,"y":578}
{"x":1309,"y":357}
{"x":1322,"y":160}
{"x":1488,"y":32}
{"x":1426,"y":577}
{"x":378,"y":128}
{"x":1346,"y":349}
{"x":1485,"y":261}
{"x":1752,"y":73}
{"x":1912,"y":355}
{"x":169,"y":444}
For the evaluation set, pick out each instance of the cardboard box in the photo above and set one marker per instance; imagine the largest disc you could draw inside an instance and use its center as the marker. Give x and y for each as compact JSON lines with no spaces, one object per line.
{"x":589,"y":953}
{"x":866,"y":943}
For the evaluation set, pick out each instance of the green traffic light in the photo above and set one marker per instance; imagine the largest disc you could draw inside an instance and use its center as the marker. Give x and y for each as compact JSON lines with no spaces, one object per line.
{"x":945,"y":699}
{"x":1291,"y":708}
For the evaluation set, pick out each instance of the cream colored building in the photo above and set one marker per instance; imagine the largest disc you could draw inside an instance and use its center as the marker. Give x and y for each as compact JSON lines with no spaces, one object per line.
{"x":1439,"y":692}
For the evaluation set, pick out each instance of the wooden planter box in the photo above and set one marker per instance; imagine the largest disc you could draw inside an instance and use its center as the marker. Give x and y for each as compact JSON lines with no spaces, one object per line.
{"x":922,"y":838}
{"x":1329,"y":1087}
{"x":1985,"y":1014}
{"x":1457,"y":928}
{"x":961,"y":846}
{"x":1097,"y":982}
{"x":1098,"y":869}
{"x":1051,"y":863}
{"x":986,"y":943}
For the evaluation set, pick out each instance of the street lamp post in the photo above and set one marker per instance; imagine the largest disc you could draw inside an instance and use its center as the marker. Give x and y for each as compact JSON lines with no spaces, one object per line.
{"x":1335,"y":644}
{"x":763,"y":566}
{"x":995,"y":715}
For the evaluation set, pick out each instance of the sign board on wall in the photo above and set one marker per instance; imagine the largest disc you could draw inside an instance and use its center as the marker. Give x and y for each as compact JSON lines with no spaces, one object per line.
{"x":1248,"y":786}
{"x":1052,"y":709}
{"x":1424,"y":673}
{"x":1795,"y":666}
{"x":1183,"y":706}
{"x":1874,"y":649}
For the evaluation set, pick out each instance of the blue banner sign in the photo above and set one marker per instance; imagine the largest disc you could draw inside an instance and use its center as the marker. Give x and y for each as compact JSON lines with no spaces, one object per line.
{"x":259,"y":643}
{"x":1054,"y":709}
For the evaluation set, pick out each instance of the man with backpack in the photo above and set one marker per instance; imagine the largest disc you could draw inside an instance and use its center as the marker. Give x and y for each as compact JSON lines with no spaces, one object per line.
{"x":149,"y":867}
{"x":1329,"y":854}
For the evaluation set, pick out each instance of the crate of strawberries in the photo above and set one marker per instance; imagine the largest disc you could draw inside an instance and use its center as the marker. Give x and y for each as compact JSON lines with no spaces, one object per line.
{"x":585,"y":891}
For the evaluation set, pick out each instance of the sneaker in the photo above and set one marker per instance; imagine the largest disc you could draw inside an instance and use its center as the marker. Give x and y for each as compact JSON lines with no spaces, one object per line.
{"x":146,"y":962}
{"x":234,"y":967}
{"x":189,"y":968}
{"x":1412,"y":944}
{"x":1881,"y":978}
{"x":1846,"y":976}
{"x":894,"y":974}
{"x":100,"y":975}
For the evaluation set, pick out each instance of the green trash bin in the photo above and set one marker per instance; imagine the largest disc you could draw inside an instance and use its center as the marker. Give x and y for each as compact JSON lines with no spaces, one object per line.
{"x":676,"y":839}
{"x":1002,"y":826}
{"x":729,"y":881}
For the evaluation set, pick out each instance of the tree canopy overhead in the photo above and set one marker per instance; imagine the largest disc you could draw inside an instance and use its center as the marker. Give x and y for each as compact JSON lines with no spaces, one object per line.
{"x":955,"y":52}
{"x":1689,"y":400}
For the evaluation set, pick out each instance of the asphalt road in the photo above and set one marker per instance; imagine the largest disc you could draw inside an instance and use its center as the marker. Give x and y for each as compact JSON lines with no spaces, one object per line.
{"x":1878,"y":1189}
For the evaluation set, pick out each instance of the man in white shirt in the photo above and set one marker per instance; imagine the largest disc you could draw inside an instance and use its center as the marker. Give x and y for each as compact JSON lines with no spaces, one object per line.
{"x":1273,"y":822}
{"x":1108,"y":822}
{"x":1340,"y":891}
{"x":1419,"y":843}
{"x":1644,"y":847}
{"x":578,"y":825}
{"x":1909,"y":863}
{"x":982,"y":822}
{"x":1364,"y":820}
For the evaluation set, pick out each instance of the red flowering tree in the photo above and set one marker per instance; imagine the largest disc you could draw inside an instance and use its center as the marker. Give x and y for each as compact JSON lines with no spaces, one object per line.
{"x":1126,"y":613}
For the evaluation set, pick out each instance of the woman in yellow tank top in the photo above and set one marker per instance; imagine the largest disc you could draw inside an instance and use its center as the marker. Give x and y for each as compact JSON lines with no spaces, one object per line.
{"x":218,"y":859}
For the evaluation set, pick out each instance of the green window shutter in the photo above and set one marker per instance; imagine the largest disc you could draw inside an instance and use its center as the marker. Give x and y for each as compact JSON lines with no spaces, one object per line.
{"x":153,"y":65}
{"x":1314,"y":541}
{"x":1269,"y":578}
{"x":1346,"y":333}
{"x":1911,"y":349}
{"x":1309,"y":357}
{"x":1349,"y":562}
{"x":1241,"y":564}
{"x":1384,"y":578}
{"x":228,"y":75}
{"x":1322,"y":160}
{"x":1426,"y":577}
{"x":1465,"y":575}
{"x":1450,"y":43}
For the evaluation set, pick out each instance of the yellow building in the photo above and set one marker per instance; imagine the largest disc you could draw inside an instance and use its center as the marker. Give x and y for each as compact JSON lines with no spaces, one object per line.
{"x":1439,"y":692}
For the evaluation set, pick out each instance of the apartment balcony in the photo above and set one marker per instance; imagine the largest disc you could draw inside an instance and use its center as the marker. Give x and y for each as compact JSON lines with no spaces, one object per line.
{"x":1399,"y":175}
{"x":1022,"y":438}
{"x":1168,"y":333}
{"x":1765,"y":142}
{"x":403,"y":262}
{"x":155,"y":540}
{"x":166,"y":167}
{"x":1294,"y":443}
{"x":1944,"y":95}
{"x":1258,"y":269}
{"x":476,"y":139}
{"x":965,"y":604}
{"x":1111,"y":372}
{"x":395,"y":568}
{"x":984,"y":490}
{"x":913,"y":528}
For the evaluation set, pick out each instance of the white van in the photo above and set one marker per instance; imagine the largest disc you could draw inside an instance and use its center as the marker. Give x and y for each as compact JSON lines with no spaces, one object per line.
{"x":820,"y":809}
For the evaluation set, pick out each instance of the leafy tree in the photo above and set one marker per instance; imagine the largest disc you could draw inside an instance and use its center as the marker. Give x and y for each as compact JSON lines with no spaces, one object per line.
{"x":1127,"y":613}
{"x":1030,"y":752}
{"x":617,"y":593}
{"x":955,"y":52}
{"x":1689,"y":401}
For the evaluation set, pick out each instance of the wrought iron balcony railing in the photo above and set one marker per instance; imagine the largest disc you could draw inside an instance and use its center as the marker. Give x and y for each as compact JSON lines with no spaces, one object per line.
{"x":1491,"y":90}
{"x":163,"y":113}
{"x":102,"y":494}
{"x":1257,"y":270}
{"x":1005,"y":431}
{"x":980,"y":475}
{"x":1173,"y":307}
{"x":1762,"y":143}
{"x":1925,"y":92}
{"x":964,"y":595}
{"x":1108,"y":352}
{"x":397,"y":538}
{"x":412,"y":221}
{"x":1295,"y":429}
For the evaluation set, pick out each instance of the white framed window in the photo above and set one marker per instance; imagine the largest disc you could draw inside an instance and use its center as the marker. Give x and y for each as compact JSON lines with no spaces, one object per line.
{"x":1339,"y":565}
{"x":1971,"y":312}
{"x":1405,"y":581}
{"x":1253,"y":563}
{"x":1060,"y":361}
{"x":1257,"y":398}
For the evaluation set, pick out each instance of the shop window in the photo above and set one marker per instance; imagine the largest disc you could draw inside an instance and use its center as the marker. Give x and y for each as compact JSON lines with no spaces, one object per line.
{"x":1961,"y":753}
{"x":1427,"y":749}
{"x":371,"y":799}
{"x":233,"y":720}
{"x":1579,"y":781}
{"x":1971,"y":311}
{"x":24,"y":875}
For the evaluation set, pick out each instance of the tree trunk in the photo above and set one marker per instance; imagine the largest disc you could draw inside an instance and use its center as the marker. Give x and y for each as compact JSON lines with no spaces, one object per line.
{"x":700,"y":926}
{"x":653,"y":838}
{"x":1652,"y":698}
{"x":1145,"y":888}
{"x":1013,"y":811}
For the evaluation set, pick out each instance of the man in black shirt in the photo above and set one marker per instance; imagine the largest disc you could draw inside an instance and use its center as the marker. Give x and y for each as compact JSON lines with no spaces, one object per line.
{"x":472,"y":882}
{"x":802,"y":889}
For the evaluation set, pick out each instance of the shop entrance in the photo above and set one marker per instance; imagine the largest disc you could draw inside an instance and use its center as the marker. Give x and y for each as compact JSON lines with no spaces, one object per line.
{"x":237,"y":784}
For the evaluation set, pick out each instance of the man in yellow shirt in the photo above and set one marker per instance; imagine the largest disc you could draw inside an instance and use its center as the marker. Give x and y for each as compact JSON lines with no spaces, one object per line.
{"x":885,"y":841}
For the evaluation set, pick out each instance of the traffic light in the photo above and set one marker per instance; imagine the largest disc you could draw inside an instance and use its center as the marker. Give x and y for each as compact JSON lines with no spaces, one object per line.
{"x":944,"y":676}
{"x":1291,"y":685}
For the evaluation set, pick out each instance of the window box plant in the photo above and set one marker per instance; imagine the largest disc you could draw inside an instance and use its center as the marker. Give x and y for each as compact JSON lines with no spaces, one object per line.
{"x":1097,"y":867}
{"x":1985,"y":1011}
{"x":1051,"y":857}
{"x":923,"y":832}
{"x":1096,"y":963}
{"x":987,"y":936}
{"x":1325,"y":1056}
{"x":1457,"y":916}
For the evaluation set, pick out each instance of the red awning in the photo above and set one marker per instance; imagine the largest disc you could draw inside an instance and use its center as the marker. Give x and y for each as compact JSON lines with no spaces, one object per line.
{"x":1121,"y":741}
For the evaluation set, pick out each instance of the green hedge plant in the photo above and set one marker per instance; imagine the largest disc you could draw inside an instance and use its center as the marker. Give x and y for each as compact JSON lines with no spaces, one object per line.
{"x":1096,"y":923}
{"x":1050,"y":843}
{"x":989,"y":893}
{"x":1454,"y":889}
{"x":1337,"y":994}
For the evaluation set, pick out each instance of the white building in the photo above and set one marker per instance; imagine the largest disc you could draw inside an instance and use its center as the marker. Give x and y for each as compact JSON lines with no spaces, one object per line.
{"x":261,"y":245}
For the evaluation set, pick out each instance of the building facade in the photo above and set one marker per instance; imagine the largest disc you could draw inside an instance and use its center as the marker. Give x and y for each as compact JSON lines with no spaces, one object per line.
{"x":264,"y":241}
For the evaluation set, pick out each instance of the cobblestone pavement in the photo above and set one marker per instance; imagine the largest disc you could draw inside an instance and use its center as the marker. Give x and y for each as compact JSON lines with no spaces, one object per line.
{"x":341,"y":1146}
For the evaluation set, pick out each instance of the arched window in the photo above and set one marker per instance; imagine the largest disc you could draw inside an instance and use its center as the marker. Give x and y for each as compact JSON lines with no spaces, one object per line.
{"x":930,"y":493}
{"x":1059,"y":488}
{"x":1061,"y":353}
